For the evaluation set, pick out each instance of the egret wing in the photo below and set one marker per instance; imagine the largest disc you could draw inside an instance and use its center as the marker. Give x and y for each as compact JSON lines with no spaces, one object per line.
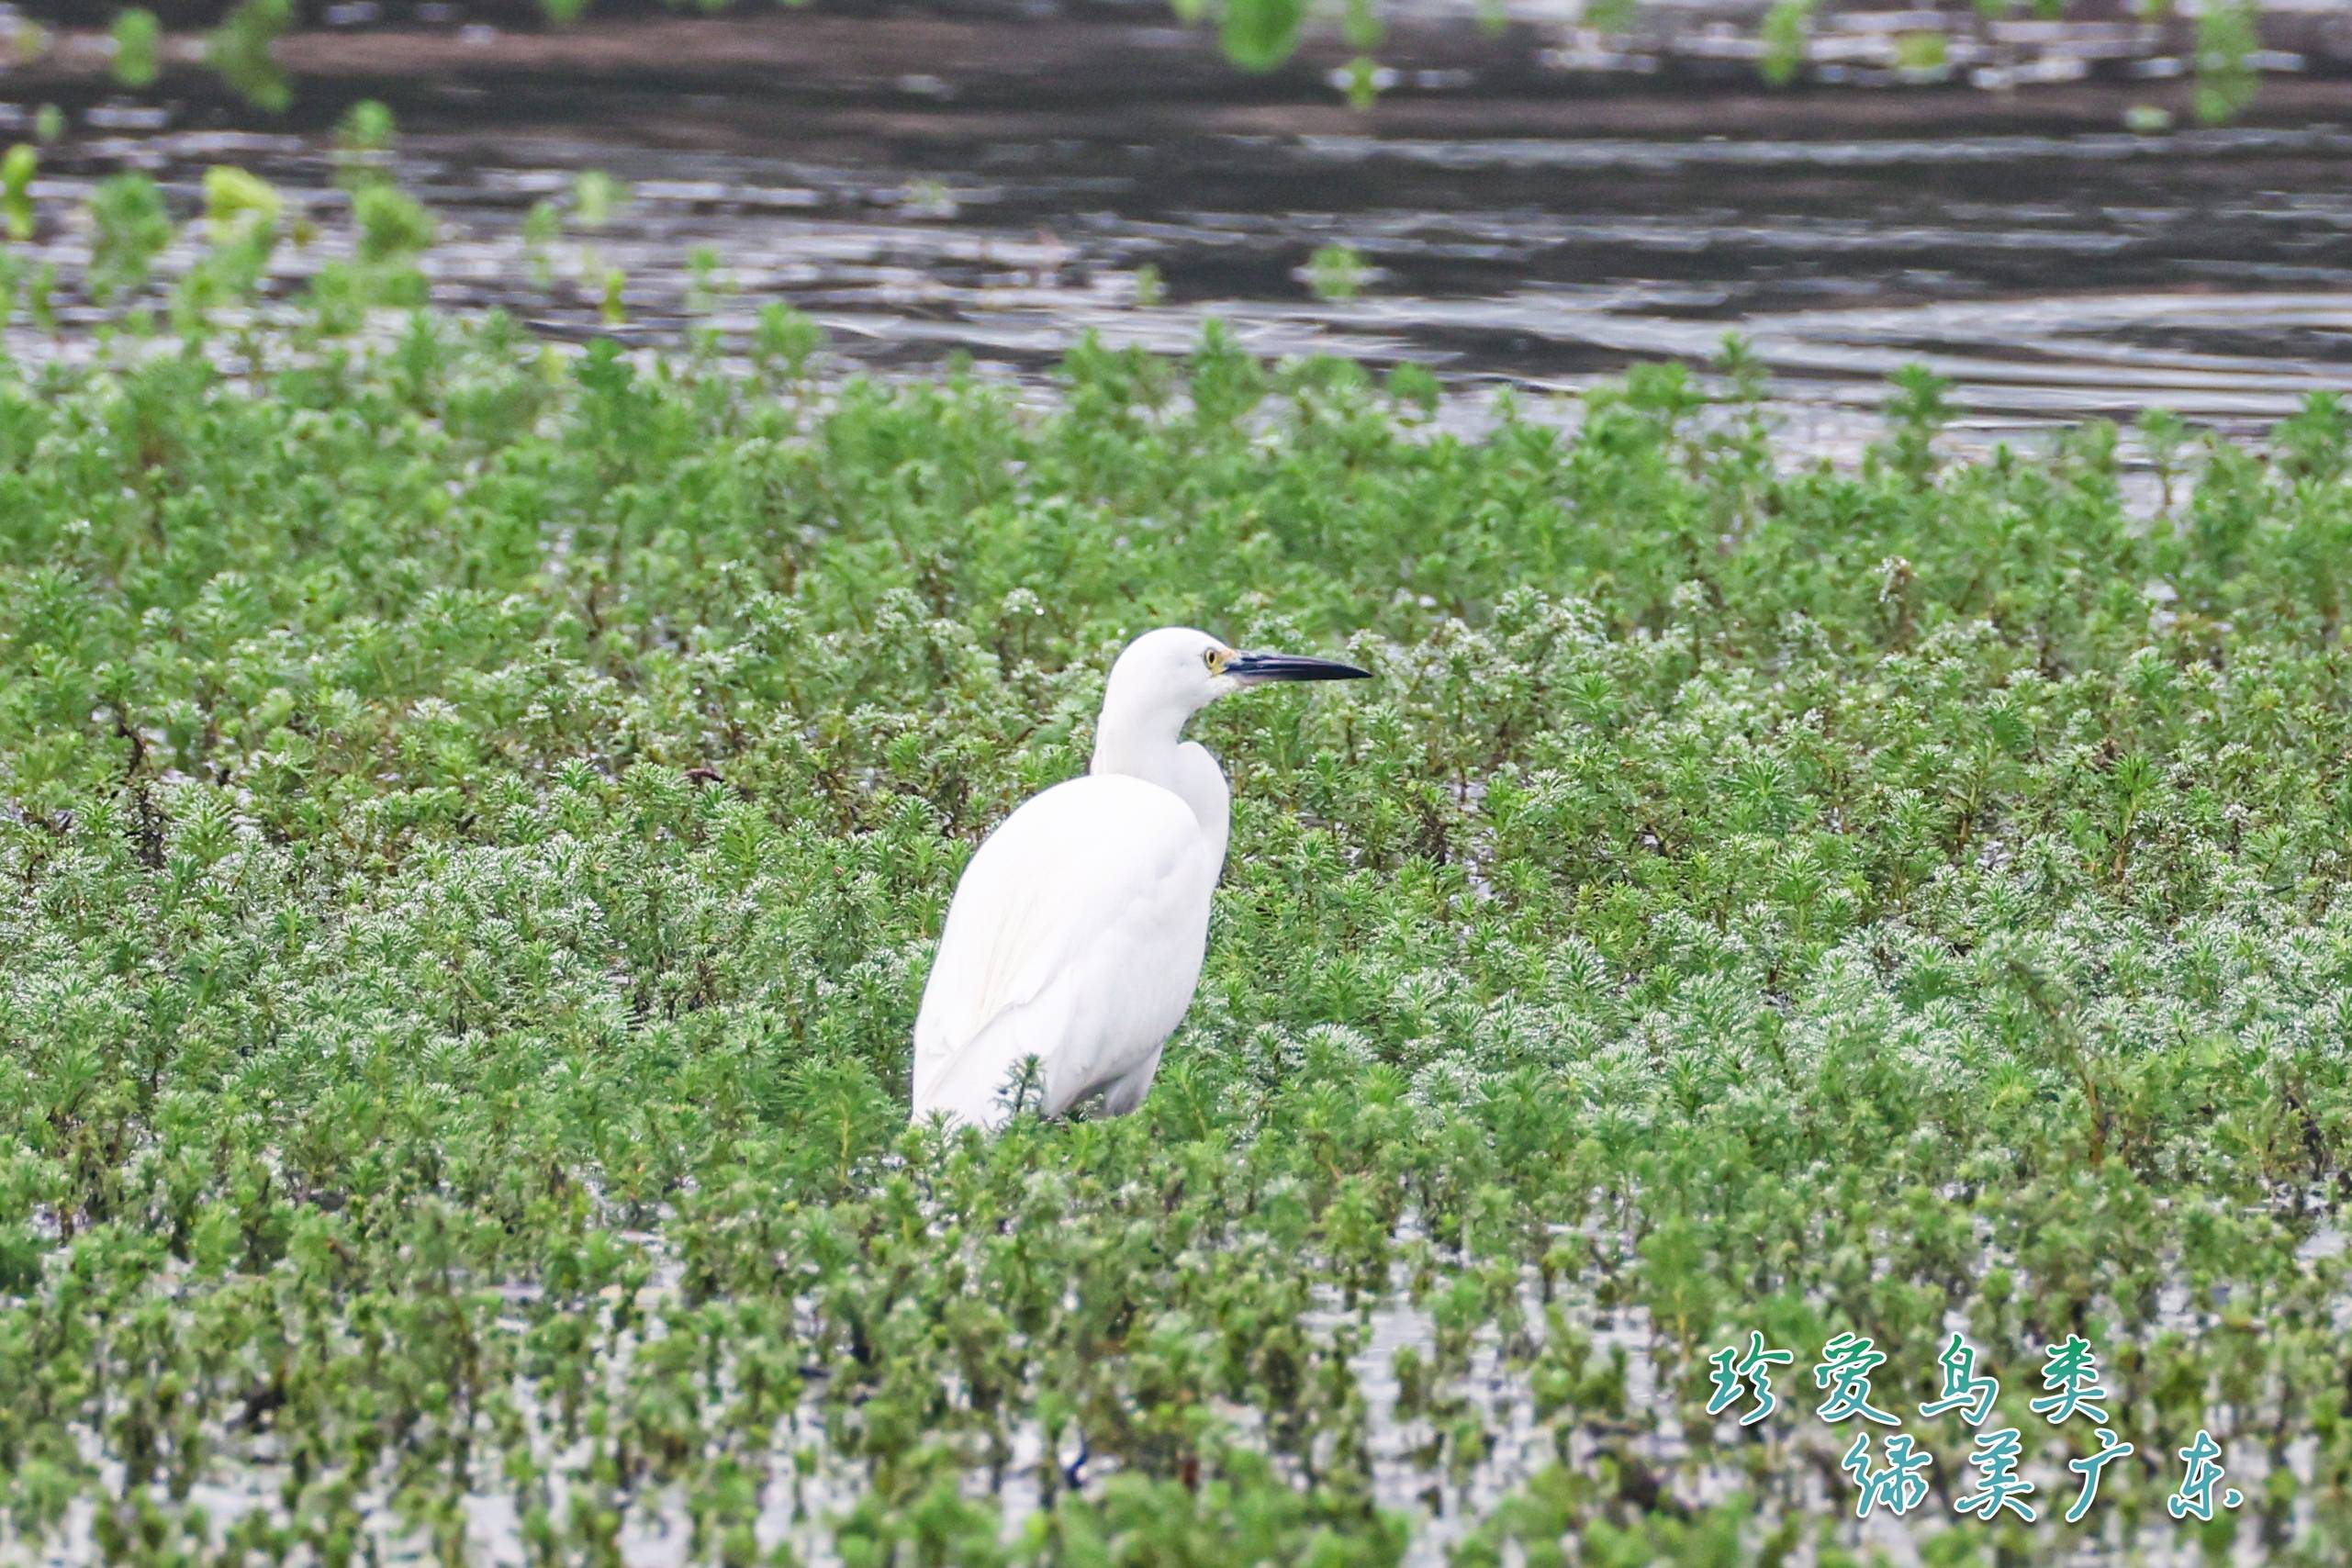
{"x":1076,"y":936}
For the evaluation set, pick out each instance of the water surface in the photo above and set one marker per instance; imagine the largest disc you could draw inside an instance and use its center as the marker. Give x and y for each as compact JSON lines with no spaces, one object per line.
{"x":2054,"y":276}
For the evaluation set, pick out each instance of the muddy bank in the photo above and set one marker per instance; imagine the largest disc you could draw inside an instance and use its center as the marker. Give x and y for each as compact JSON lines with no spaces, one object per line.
{"x":1688,"y":71}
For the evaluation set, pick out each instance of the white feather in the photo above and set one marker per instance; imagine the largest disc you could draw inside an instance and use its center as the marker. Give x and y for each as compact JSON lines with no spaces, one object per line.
{"x":1075,"y":937}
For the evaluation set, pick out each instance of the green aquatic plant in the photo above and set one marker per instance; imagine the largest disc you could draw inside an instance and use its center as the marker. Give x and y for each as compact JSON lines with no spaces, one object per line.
{"x":364,"y":139}
{"x":1335,"y":273}
{"x":2314,"y":443}
{"x":28,"y":39}
{"x":1260,"y":34}
{"x":240,"y":207}
{"x":476,"y":815}
{"x":367,"y":126}
{"x":1783,"y":31}
{"x":708,"y":283}
{"x":2228,"y":32}
{"x":1923,"y":53}
{"x":783,"y":342}
{"x":38,"y":288}
{"x":243,"y":213}
{"x":542,"y":227}
{"x":137,"y":40}
{"x":2165,"y":434}
{"x":241,"y":50}
{"x":1919,"y":408}
{"x":133,"y":228}
{"x":394,"y":227}
{"x":1362,"y":30}
{"x":596,"y":199}
{"x":16,"y":172}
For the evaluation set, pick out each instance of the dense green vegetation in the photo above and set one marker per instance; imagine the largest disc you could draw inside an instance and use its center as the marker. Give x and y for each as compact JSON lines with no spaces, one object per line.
{"x":473,"y":821}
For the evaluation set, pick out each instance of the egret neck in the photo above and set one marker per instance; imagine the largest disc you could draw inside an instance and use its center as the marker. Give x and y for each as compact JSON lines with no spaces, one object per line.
{"x":1141,"y":734}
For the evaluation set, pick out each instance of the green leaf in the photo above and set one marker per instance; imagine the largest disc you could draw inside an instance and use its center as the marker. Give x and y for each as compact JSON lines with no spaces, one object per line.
{"x":1260,"y":34}
{"x":238,"y":206}
{"x":17,"y":172}
{"x":1921,"y":51}
{"x":393,"y":225}
{"x":2227,"y":35}
{"x":133,"y":228}
{"x":242,"y":50}
{"x":1784,"y":40}
{"x":139,"y":39}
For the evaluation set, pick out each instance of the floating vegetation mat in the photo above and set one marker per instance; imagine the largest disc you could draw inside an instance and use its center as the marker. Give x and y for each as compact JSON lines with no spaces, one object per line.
{"x":1800,"y":1018}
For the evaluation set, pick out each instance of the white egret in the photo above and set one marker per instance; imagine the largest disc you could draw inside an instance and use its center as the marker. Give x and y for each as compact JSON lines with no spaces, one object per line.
{"x":1077,"y":932}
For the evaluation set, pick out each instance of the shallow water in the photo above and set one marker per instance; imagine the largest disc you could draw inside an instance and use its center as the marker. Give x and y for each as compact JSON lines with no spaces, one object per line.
{"x":2053,"y":278}
{"x":1413,"y":1472}
{"x":2053,"y":275}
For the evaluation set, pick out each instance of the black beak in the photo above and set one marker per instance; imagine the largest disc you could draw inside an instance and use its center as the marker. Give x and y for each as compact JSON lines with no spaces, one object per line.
{"x":1290,"y":667}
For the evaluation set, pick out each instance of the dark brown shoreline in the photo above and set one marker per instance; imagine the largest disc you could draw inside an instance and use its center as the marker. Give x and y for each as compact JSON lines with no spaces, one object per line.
{"x":761,"y":76}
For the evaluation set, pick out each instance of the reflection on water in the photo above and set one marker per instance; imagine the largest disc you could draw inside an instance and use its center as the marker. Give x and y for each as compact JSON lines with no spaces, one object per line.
{"x":2053,"y":278}
{"x":1418,"y":1466}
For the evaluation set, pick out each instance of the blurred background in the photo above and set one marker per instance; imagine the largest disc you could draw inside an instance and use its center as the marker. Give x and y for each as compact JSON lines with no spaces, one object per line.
{"x":2067,"y":212}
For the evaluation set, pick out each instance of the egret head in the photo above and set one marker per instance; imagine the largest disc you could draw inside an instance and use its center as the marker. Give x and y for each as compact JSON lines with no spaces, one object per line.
{"x":1175,"y":672}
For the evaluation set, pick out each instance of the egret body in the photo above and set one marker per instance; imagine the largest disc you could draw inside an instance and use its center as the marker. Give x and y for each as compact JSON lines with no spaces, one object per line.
{"x":1077,"y":932}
